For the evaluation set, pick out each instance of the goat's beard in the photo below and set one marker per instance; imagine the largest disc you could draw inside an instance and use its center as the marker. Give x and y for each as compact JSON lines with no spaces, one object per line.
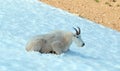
{"x":78,"y":42}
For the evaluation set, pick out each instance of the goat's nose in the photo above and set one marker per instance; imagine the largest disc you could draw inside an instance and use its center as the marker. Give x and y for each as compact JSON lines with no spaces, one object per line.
{"x":83,"y":44}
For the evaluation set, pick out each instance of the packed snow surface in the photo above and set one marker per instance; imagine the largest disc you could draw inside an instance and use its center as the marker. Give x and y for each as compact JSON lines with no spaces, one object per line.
{"x":20,"y":20}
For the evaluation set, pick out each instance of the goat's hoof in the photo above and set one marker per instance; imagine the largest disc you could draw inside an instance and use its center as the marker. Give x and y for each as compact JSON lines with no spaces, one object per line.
{"x":53,"y":52}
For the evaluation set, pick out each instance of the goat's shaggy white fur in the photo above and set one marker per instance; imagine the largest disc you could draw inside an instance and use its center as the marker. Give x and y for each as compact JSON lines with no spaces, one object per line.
{"x":57,"y":42}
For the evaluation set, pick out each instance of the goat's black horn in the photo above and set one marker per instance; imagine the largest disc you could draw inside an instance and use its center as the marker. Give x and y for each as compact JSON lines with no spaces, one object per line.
{"x":77,"y":33}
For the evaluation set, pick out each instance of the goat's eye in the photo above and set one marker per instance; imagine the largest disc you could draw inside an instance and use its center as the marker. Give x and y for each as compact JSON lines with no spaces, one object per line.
{"x":77,"y":37}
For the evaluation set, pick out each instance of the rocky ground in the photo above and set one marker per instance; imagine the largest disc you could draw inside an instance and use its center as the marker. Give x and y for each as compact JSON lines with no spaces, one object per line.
{"x":105,"y":12}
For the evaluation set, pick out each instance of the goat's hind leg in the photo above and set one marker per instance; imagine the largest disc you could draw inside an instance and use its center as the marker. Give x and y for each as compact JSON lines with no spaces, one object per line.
{"x":34,"y":45}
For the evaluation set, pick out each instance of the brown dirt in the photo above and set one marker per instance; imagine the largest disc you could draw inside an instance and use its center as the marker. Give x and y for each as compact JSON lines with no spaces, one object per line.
{"x":105,"y":12}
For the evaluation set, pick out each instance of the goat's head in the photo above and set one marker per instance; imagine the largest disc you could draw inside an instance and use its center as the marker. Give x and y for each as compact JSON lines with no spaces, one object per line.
{"x":77,"y":37}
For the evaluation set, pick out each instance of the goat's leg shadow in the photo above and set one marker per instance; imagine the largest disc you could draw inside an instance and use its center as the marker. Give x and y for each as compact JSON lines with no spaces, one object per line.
{"x":73,"y":53}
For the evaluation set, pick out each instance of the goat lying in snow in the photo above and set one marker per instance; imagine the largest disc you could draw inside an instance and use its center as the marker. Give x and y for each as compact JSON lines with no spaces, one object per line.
{"x":56,"y":42}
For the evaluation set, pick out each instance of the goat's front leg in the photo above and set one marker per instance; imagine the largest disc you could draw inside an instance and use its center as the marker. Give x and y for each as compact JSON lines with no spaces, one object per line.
{"x":56,"y":46}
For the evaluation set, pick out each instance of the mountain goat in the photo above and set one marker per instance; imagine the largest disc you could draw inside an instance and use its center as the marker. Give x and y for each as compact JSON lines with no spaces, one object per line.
{"x":55,"y":42}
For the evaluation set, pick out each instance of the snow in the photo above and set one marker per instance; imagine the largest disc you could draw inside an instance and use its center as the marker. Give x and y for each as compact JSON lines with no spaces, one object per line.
{"x":20,"y":20}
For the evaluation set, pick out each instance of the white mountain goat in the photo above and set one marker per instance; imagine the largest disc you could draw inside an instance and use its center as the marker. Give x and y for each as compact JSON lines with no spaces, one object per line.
{"x":55,"y":42}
